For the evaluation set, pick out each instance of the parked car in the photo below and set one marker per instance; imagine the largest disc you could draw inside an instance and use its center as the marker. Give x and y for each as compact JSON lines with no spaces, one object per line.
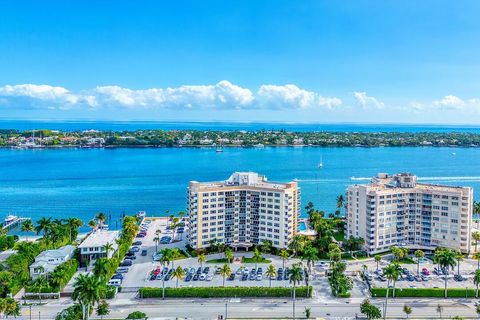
{"x":244,"y":277}
{"x":117,"y":276}
{"x":144,"y":252}
{"x":122,"y":270}
{"x":140,"y":235}
{"x":134,"y":249}
{"x":209,"y":278}
{"x":126,"y":263}
{"x":259,"y":277}
{"x":425,"y":271}
{"x":202,"y":277}
{"x":231,"y":277}
{"x":424,"y":277}
{"x":195,"y":277}
{"x":459,"y":277}
{"x":188,"y":277}
{"x":382,"y":278}
{"x":137,"y":243}
{"x":115,"y":282}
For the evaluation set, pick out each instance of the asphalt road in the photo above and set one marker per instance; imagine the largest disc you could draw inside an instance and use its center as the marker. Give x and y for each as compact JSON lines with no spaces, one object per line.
{"x":242,"y":308}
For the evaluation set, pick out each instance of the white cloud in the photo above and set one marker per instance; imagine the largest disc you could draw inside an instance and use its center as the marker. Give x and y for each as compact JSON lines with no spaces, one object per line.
{"x":449,"y":102}
{"x":223,"y":95}
{"x":366,"y":101}
{"x":290,"y":96}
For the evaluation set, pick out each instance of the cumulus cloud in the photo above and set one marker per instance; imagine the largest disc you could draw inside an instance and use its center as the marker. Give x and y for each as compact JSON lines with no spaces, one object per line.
{"x":366,"y":101}
{"x":291,"y":96}
{"x":449,"y":102}
{"x":223,"y":95}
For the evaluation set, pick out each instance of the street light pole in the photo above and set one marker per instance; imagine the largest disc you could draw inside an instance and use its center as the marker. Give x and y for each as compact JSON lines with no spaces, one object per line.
{"x":226,"y":310}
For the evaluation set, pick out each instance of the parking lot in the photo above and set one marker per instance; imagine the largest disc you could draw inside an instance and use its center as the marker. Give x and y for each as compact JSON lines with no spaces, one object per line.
{"x":140,"y":273}
{"x":428,"y":278}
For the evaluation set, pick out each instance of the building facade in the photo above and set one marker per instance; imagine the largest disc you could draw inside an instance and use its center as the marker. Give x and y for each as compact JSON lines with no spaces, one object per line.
{"x":244,"y":210}
{"x":93,"y":246}
{"x":48,"y":260}
{"x":398,"y":211}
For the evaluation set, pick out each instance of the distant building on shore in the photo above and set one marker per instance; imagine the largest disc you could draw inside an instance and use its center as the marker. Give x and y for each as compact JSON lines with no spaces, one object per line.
{"x":244,"y":210}
{"x":398,"y":211}
{"x":48,"y":260}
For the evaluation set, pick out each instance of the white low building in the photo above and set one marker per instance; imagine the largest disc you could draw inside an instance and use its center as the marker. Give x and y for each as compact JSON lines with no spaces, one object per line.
{"x":93,"y":247}
{"x":48,"y":260}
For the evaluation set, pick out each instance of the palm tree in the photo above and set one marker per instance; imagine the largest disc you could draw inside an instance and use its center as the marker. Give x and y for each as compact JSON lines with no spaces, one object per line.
{"x":92,"y":224}
{"x":257,"y":256}
{"x":271,"y":273}
{"x":174,"y":226}
{"x":295,"y":278}
{"x":284,"y":255}
{"x":310,"y":254}
{"x":156,"y":240}
{"x":377,"y":258}
{"x":419,"y":254}
{"x":225,"y":272}
{"x":446,"y":259}
{"x":119,"y":242}
{"x":459,"y":257}
{"x":476,"y":237}
{"x":340,"y":202}
{"x":165,"y":260}
{"x":103,"y":309}
{"x":228,"y":255}
{"x":27,"y":226}
{"x":178,"y":273}
{"x":476,"y":281}
{"x":101,"y":218}
{"x":297,"y":244}
{"x":88,"y":290}
{"x":100,"y":268}
{"x":407,"y":310}
{"x":73,"y":224}
{"x":108,"y":247}
{"x":392,"y":272}
{"x":40,"y":283}
{"x":201,"y":259}
{"x":476,"y":256}
{"x":175,"y":254}
{"x":42,"y":225}
{"x":266,"y":246}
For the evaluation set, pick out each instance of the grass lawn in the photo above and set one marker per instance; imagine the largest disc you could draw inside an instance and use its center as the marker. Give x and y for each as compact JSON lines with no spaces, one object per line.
{"x":222,"y":260}
{"x":407,"y":261}
{"x":339,"y":235}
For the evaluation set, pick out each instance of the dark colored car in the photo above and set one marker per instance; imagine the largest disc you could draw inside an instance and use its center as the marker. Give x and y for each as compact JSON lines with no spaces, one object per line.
{"x":231,"y":277}
{"x":137,"y":243}
{"x":144,"y":252}
{"x":196,"y":276}
{"x":118,"y":276}
{"x":126,"y":263}
{"x":244,"y":277}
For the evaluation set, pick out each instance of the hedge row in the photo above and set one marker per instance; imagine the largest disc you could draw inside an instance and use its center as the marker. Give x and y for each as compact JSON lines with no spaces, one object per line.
{"x":223,"y":292}
{"x":424,"y":292}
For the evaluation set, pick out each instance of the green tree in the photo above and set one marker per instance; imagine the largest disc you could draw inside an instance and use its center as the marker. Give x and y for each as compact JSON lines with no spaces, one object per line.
{"x":201,"y":259}
{"x":43,"y":225}
{"x":257,"y":256}
{"x":419,"y":254}
{"x":459,"y":257}
{"x":271,"y":273}
{"x":100,"y":268}
{"x":308,"y":313}
{"x":476,"y":281}
{"x":476,"y":256}
{"x":92,"y":224}
{"x":392,"y":272}
{"x":137,"y":315}
{"x":369,"y":310}
{"x":476,"y":237}
{"x":295,"y":279}
{"x":225,"y":272}
{"x":284,"y":255}
{"x":179,"y":274}
{"x":103,"y":309}
{"x":377,"y":258}
{"x":445,"y":259}
{"x":165,"y":260}
{"x":39,"y":284}
{"x":407,"y":310}
{"x":27,"y":226}
{"x":107,"y":247}
{"x":228,"y":255}
{"x":88,"y":290}
{"x":310,"y":254}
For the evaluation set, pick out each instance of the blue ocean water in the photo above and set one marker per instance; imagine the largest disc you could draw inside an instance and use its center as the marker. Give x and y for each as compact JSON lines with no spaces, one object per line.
{"x":81,"y":182}
{"x":70,"y":125}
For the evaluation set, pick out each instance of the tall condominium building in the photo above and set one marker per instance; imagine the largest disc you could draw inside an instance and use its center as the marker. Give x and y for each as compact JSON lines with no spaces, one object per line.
{"x":398,"y":211}
{"x":245,"y":209}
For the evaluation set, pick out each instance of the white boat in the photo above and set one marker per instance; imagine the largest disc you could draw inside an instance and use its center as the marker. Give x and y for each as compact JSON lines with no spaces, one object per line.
{"x":10,"y":219}
{"x":320,"y":164}
{"x":219,"y":150}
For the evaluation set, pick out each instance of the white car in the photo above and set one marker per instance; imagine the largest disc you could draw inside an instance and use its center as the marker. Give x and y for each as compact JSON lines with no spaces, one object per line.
{"x":202,"y":277}
{"x":209,"y":278}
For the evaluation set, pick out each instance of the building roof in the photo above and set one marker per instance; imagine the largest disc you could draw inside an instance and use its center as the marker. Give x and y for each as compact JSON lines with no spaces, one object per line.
{"x":56,"y":253}
{"x":99,"y":238}
{"x":246,"y":179}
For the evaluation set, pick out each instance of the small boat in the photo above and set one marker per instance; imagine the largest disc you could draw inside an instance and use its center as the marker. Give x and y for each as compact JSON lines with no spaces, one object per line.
{"x":320,"y":164}
{"x":219,"y":150}
{"x":9,"y":220}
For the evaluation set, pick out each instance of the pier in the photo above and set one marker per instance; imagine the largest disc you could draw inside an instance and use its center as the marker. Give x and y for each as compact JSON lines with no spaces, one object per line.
{"x":12,"y":222}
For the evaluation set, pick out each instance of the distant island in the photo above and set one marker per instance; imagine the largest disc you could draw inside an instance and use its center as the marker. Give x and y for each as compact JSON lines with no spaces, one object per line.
{"x":240,"y":138}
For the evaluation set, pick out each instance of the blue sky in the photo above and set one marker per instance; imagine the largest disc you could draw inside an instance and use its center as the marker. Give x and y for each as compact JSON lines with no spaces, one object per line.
{"x":306,"y":61}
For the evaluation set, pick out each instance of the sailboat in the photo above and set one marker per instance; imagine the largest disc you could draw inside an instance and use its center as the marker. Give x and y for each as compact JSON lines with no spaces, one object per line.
{"x":320,"y":164}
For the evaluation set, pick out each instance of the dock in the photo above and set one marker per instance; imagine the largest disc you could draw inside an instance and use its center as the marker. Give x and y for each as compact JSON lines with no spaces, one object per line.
{"x":12,"y":222}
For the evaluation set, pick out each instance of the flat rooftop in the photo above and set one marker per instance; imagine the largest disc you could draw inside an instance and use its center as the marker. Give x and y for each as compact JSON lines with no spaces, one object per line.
{"x":100,"y":238}
{"x":243,"y":179}
{"x":387,"y":184}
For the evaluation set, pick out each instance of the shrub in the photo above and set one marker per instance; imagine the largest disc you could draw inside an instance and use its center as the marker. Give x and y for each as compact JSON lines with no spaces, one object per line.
{"x":424,"y":292}
{"x":344,"y":295}
{"x":222,"y":292}
{"x":137,"y":315}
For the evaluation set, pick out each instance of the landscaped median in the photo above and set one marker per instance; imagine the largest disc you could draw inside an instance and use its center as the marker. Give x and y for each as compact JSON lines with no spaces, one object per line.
{"x":224,"y":292}
{"x":424,"y":292}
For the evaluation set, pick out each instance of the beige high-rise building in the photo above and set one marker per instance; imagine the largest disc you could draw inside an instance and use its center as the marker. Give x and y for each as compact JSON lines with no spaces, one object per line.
{"x":244,"y":210}
{"x":399,"y":211}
